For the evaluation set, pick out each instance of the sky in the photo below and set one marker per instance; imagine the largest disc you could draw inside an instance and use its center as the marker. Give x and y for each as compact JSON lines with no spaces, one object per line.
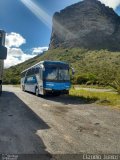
{"x":28,"y":25}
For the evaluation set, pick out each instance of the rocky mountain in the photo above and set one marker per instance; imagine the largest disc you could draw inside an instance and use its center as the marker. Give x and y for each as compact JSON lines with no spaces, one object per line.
{"x":87,"y":24}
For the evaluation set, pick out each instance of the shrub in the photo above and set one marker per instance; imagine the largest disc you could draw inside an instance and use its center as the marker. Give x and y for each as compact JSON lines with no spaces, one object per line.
{"x":116,"y":84}
{"x":92,"y":79}
{"x":85,"y":79}
{"x":15,"y":81}
{"x":81,"y":79}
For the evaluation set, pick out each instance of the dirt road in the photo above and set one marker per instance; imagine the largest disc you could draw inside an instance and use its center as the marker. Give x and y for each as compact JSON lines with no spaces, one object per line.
{"x":30,"y":124}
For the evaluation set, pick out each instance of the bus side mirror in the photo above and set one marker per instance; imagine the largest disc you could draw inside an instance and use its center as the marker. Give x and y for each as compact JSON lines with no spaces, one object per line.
{"x":73,"y":71}
{"x":3,"y":52}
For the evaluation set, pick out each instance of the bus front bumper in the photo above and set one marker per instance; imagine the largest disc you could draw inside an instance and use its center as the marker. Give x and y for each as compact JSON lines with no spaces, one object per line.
{"x":57,"y":87}
{"x":53,"y":91}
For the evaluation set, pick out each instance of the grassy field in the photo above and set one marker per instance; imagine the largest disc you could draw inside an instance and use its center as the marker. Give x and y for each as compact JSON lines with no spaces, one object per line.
{"x":104,"y":98}
{"x":93,"y":86}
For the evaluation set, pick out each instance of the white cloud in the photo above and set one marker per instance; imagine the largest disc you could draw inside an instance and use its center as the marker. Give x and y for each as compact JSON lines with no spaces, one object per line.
{"x":14,"y":40}
{"x":25,"y":57}
{"x":11,"y":60}
{"x":15,"y":54}
{"x":39,"y":50}
{"x":111,"y":3}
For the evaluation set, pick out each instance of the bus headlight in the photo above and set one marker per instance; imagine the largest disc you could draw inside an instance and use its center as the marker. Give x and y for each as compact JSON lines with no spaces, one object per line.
{"x":48,"y":89}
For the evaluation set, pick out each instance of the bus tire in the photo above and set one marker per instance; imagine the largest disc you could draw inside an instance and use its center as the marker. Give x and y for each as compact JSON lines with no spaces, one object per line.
{"x":37,"y":91}
{"x":23,"y":88}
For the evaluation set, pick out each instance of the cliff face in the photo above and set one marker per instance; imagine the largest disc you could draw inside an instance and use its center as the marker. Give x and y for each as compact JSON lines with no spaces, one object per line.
{"x":87,"y":24}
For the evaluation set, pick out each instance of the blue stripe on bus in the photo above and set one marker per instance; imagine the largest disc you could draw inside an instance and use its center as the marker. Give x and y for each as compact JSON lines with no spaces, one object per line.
{"x":57,"y":85}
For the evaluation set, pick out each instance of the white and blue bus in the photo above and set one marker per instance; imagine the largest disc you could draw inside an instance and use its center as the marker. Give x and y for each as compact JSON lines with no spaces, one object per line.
{"x":47,"y":77}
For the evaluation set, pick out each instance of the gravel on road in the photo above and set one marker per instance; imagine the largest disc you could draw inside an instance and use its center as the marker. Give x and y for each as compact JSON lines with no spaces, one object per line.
{"x":56,"y":125}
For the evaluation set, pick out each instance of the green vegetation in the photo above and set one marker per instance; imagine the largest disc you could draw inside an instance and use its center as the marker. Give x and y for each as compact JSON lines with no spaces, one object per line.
{"x":116,"y":84}
{"x":92,"y":67}
{"x":93,"y":86}
{"x":104,"y":98}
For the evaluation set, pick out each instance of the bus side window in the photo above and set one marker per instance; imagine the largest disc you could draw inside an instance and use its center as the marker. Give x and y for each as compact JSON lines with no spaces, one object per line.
{"x":27,"y":74}
{"x":37,"y":70}
{"x":23,"y":74}
{"x":30,"y":72}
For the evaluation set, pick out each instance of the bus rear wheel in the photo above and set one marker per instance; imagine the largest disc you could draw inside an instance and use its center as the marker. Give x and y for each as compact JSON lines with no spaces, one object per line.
{"x":37,"y":91}
{"x":23,"y":88}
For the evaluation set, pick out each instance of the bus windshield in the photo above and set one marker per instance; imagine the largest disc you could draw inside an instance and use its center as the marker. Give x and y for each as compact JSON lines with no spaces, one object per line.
{"x":59,"y":74}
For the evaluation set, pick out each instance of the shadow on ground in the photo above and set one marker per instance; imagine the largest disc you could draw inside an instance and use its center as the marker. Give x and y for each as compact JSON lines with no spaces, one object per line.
{"x":68,"y":99}
{"x":19,"y":126}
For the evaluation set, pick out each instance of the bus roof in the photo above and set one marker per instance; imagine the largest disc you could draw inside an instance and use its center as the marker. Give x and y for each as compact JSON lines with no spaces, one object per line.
{"x":45,"y":63}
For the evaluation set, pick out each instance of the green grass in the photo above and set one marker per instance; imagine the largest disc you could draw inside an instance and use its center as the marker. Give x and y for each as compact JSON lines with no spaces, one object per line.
{"x":93,"y":86}
{"x":104,"y":98}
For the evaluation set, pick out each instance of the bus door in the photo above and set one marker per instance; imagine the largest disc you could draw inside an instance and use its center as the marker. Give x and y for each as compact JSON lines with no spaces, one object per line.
{"x":39,"y":76}
{"x":41,"y":82}
{"x":30,"y":80}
